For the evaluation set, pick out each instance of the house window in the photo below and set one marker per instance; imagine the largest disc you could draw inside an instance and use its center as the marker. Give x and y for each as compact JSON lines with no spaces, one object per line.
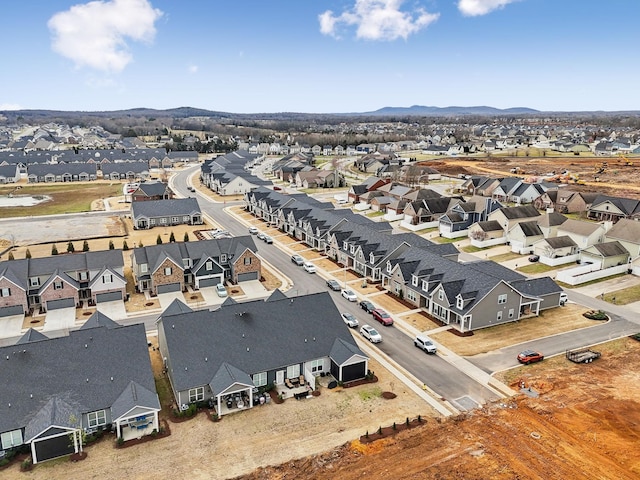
{"x":511,"y":313}
{"x":152,"y":221}
{"x":175,"y":219}
{"x":352,"y":249}
{"x":144,"y":268}
{"x":260,"y":379}
{"x":247,"y":260}
{"x":209,"y":265}
{"x":196,"y":394}
{"x":440,"y":295}
{"x":425,"y":285}
{"x":57,"y":285}
{"x":83,"y":276}
{"x":163,"y":220}
{"x":223,"y":258}
{"x":499,"y":316}
{"x":11,"y":439}
{"x":185,"y":218}
{"x":107,"y":278}
{"x":345,"y":245}
{"x":389,"y":267}
{"x":293,"y":371}
{"x":502,"y":299}
{"x":34,"y":282}
{"x":459,"y":303}
{"x":186,"y":262}
{"x":414,"y":281}
{"x":372,"y":259}
{"x":96,"y":419}
{"x":5,"y":292}
{"x":168,"y":271}
{"x":316,"y":365}
{"x":411,"y":295}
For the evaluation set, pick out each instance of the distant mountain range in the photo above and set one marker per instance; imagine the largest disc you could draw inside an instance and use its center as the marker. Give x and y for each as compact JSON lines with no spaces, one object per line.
{"x":451,"y":111}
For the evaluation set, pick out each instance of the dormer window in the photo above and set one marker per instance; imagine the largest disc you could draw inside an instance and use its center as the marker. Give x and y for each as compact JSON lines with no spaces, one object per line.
{"x":223,"y":258}
{"x":372,"y":259}
{"x":389,"y":267}
{"x":352,"y":249}
{"x":440,"y":295}
{"x":425,"y":285}
{"x":459,"y":302}
{"x":414,"y":280}
{"x":345,"y":245}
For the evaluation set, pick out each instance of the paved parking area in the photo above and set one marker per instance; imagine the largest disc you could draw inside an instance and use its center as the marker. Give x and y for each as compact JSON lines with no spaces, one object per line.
{"x":59,"y":319}
{"x":114,"y":310}
{"x":11,"y":326}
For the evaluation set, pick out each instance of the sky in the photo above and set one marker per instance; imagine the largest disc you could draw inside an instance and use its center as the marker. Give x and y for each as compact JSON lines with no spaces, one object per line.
{"x":319,"y":56}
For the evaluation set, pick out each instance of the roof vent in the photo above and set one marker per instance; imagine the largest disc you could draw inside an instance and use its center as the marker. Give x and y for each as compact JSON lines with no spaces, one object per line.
{"x":87,"y":380}
{"x":86,"y":346}
{"x":305,"y":340}
{"x":247,"y":349}
{"x":173,"y":326}
{"x":31,"y":395}
{"x":112,"y":379}
{"x":206,"y":359}
{"x":185,"y":369}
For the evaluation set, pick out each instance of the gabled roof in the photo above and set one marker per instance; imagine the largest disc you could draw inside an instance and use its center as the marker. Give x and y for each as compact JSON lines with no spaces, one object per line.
{"x":529,"y":229}
{"x":176,"y":307}
{"x":561,"y":242}
{"x":524,"y":211}
{"x":579,"y":227}
{"x":134,"y":395}
{"x":552,"y":219}
{"x":228,"y":375}
{"x":609,"y":249}
{"x":31,"y":335}
{"x":536,"y":287}
{"x":165,"y":208}
{"x":625,"y":230}
{"x":490,"y":226}
{"x":99,"y":319}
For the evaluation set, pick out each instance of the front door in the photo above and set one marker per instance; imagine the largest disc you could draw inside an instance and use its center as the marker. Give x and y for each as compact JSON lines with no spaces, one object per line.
{"x":279,"y":377}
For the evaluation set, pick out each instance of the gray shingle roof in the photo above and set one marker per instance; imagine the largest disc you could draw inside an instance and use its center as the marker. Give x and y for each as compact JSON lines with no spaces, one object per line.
{"x":165,"y":208}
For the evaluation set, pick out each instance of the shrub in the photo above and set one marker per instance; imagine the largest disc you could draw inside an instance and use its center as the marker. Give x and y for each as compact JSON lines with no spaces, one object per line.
{"x":214,"y":417}
{"x":111,"y":245}
{"x":27,"y":254}
{"x":85,"y":246}
{"x":120,"y":441}
{"x":380,"y":430}
{"x":54,"y":250}
{"x":158,"y":240}
{"x":26,"y":464}
{"x":125,"y":246}
{"x":70,"y":248}
{"x":172,"y":238}
{"x":11,"y":256}
{"x":186,"y":237}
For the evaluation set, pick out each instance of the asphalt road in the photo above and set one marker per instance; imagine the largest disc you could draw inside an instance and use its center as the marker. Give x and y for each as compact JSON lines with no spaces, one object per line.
{"x":447,"y":381}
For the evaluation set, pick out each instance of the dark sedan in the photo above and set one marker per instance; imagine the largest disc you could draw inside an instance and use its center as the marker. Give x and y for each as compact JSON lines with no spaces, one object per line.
{"x":367,"y":306}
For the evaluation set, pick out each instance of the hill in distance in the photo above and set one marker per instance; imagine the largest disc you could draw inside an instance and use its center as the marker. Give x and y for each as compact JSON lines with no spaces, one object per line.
{"x":450,"y":111}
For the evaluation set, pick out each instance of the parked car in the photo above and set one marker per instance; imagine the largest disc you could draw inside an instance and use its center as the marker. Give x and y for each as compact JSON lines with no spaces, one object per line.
{"x":367,"y":306}
{"x":563,"y":298}
{"x":383,"y":317}
{"x":371,"y":334}
{"x":534,"y":258}
{"x":333,"y":285}
{"x":268,"y":239}
{"x":277,"y":188}
{"x":349,"y":295}
{"x":223,"y":234}
{"x":350,"y":319}
{"x":425,"y":343}
{"x":309,"y":267}
{"x":530,"y":356}
{"x":260,"y":236}
{"x":297,"y":259}
{"x":220,"y":290}
{"x":253,"y":230}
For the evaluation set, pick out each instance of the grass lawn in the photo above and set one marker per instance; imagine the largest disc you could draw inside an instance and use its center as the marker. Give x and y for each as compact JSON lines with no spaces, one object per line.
{"x":551,"y":322}
{"x":536,"y":268}
{"x":472,"y":249}
{"x":623,"y":296}
{"x":444,"y":240}
{"x":504,"y":257}
{"x":72,"y":197}
{"x":375,"y":214}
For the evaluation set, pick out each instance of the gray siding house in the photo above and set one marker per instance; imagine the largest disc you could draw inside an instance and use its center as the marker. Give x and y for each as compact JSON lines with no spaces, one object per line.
{"x":165,"y":213}
{"x":224,"y":356}
{"x":97,"y":378}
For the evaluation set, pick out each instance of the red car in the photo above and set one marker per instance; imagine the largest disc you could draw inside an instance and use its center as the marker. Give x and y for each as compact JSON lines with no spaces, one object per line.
{"x":383,"y":317}
{"x":530,"y":356}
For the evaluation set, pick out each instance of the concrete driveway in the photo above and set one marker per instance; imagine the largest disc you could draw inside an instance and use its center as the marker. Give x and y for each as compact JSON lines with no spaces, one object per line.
{"x":11,"y":326}
{"x":254,"y":289}
{"x":165,"y":299}
{"x":114,"y":310}
{"x":59,"y":319}
{"x":210,"y":296}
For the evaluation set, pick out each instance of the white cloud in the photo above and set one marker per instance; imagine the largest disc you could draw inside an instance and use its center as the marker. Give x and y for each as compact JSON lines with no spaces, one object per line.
{"x":377,"y":20}
{"x":95,"y":34}
{"x":10,"y":106}
{"x":473,"y":8}
{"x":192,"y":69}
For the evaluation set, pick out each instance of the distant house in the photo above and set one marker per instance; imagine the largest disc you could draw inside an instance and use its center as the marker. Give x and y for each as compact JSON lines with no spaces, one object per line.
{"x":627,"y":232}
{"x":224,"y":356}
{"x":605,"y":255}
{"x":125,"y":171}
{"x":605,"y":207}
{"x":56,"y":390}
{"x":61,"y":172}
{"x":165,"y":213}
{"x":9,"y":173}
{"x":371,"y":183}
{"x":583,"y":233}
{"x":555,"y":247}
{"x":523,"y":236}
{"x":507,"y":217}
{"x":151,"y":191}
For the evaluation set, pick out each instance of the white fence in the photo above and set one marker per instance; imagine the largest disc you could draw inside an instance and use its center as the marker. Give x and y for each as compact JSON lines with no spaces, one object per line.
{"x":488,"y":243}
{"x":458,"y":234}
{"x":579,"y":275}
{"x":554,"y":262}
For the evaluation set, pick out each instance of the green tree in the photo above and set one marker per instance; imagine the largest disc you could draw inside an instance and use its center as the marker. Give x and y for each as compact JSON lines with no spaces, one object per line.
{"x":27,"y":254}
{"x":140,"y":245}
{"x":111,"y":245}
{"x":186,"y":237}
{"x":70,"y":247}
{"x":54,"y":250}
{"x":172,"y":238}
{"x":159,"y":240}
{"x":85,"y":246}
{"x":125,"y":246}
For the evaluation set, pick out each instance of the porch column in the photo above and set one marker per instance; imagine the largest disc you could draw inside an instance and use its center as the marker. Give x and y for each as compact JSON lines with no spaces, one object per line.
{"x":250,"y":397}
{"x":219,"y":409}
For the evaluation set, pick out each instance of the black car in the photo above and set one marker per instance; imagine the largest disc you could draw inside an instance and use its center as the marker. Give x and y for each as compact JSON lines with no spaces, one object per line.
{"x":367,"y":306}
{"x":333,"y":285}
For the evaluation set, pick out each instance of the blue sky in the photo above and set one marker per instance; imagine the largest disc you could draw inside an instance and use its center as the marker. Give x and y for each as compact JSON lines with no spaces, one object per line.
{"x":320,"y":56}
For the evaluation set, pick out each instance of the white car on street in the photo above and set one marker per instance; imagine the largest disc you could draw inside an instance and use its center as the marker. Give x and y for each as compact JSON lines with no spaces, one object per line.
{"x":371,"y":334}
{"x":309,"y":267}
{"x":349,"y":295}
{"x":350,"y":319}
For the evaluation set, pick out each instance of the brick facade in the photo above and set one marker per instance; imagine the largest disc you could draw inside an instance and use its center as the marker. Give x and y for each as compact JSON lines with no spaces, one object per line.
{"x":240,"y":267}
{"x":17,"y":297}
{"x":159,"y":278}
{"x":50,"y":293}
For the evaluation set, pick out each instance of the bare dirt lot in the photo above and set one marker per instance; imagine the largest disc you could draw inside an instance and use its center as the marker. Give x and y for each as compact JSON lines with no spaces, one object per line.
{"x":617,"y":178}
{"x":584,"y":424}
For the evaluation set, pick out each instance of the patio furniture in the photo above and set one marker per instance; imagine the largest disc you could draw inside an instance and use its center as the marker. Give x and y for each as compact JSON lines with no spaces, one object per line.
{"x":288,"y":383}
{"x":301,"y":380}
